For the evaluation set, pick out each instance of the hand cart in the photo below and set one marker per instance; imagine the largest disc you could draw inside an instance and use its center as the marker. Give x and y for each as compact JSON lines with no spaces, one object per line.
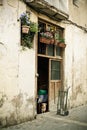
{"x":62,"y":103}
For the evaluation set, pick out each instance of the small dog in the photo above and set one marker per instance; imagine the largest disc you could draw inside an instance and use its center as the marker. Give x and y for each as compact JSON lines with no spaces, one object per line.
{"x":43,"y":107}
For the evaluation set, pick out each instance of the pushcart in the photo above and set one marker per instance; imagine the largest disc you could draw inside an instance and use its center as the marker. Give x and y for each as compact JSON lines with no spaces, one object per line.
{"x":62,"y":108}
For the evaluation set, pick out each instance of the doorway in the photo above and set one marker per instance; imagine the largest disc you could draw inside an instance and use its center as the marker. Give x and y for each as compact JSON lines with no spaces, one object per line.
{"x":49,"y":66}
{"x":43,"y":85}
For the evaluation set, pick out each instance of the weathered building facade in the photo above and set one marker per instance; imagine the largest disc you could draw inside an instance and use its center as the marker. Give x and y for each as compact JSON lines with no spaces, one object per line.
{"x":46,"y":66}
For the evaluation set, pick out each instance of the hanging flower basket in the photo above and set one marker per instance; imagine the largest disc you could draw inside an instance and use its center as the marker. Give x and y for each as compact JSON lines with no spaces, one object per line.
{"x":45,"y":40}
{"x":25,"y":29}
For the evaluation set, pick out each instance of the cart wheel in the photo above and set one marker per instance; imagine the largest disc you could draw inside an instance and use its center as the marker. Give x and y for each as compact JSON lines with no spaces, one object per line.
{"x":66,"y":113}
{"x":58,"y":112}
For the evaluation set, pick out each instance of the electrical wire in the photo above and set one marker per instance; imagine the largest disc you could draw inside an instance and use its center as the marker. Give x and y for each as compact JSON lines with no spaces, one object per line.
{"x":75,"y":24}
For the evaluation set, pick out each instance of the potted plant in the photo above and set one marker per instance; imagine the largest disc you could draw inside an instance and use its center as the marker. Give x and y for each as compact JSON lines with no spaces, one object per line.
{"x":29,"y":29}
{"x":46,"y":37}
{"x":27,"y":39}
{"x":61,"y":42}
{"x":25,"y":23}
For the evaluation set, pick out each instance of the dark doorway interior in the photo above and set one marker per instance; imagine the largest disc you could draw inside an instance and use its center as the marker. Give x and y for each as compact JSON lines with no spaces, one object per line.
{"x":42,"y":89}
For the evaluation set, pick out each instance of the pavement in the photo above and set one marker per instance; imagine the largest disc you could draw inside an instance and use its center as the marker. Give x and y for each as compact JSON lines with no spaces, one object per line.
{"x":76,"y":120}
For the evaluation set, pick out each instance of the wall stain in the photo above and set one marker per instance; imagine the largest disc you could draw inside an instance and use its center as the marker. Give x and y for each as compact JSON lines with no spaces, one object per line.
{"x":15,"y":117}
{"x":77,"y":91}
{"x":11,"y":120}
{"x":30,"y":100}
{"x":17,"y":101}
{"x":3,"y":99}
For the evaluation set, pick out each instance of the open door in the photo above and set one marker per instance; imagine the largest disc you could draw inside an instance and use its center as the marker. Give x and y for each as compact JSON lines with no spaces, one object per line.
{"x":54,"y":82}
{"x":49,"y":82}
{"x":43,"y":84}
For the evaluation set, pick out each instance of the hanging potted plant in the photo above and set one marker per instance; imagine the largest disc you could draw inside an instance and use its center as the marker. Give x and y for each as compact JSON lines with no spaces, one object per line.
{"x":28,"y":30}
{"x":27,"y":39}
{"x":25,"y":23}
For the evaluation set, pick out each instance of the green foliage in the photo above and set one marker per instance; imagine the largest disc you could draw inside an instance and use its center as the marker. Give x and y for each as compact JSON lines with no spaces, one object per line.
{"x":27,"y":39}
{"x":56,"y":36}
{"x":33,"y":27}
{"x":61,"y":40}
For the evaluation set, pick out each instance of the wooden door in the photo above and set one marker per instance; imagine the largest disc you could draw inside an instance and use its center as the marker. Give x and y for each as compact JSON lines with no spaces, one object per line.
{"x":54,"y":83}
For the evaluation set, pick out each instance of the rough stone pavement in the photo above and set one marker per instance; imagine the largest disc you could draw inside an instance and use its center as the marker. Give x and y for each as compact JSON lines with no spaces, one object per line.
{"x":76,"y":120}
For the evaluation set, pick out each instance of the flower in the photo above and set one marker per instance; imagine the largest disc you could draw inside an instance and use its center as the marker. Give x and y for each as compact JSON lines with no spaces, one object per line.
{"x":47,"y":35}
{"x":24,"y":19}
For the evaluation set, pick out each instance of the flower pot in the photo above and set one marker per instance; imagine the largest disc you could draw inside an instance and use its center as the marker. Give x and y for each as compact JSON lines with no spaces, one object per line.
{"x":25,"y":29}
{"x":45,"y":40}
{"x":52,"y":41}
{"x":62,"y":44}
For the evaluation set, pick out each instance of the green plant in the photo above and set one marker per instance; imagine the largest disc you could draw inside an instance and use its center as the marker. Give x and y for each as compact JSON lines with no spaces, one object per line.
{"x":27,"y":38}
{"x":33,"y":27}
{"x":61,"y":40}
{"x":56,"y":36}
{"x":26,"y":41}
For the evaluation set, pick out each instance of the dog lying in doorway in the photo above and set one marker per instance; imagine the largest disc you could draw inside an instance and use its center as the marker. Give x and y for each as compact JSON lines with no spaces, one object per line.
{"x":43,"y":107}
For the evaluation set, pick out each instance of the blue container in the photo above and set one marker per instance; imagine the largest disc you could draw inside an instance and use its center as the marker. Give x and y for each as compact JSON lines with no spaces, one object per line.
{"x":42,"y":98}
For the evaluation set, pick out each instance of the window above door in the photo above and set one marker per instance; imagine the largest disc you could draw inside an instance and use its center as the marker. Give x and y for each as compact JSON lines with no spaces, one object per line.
{"x":50,"y":40}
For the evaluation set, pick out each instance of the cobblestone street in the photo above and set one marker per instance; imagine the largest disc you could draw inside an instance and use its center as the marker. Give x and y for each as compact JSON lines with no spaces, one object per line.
{"x":76,"y":120}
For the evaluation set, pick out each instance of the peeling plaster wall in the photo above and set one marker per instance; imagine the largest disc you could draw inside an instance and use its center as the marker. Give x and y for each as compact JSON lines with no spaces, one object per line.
{"x":76,"y":65}
{"x":76,"y":56}
{"x":27,"y":81}
{"x":17,"y":67}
